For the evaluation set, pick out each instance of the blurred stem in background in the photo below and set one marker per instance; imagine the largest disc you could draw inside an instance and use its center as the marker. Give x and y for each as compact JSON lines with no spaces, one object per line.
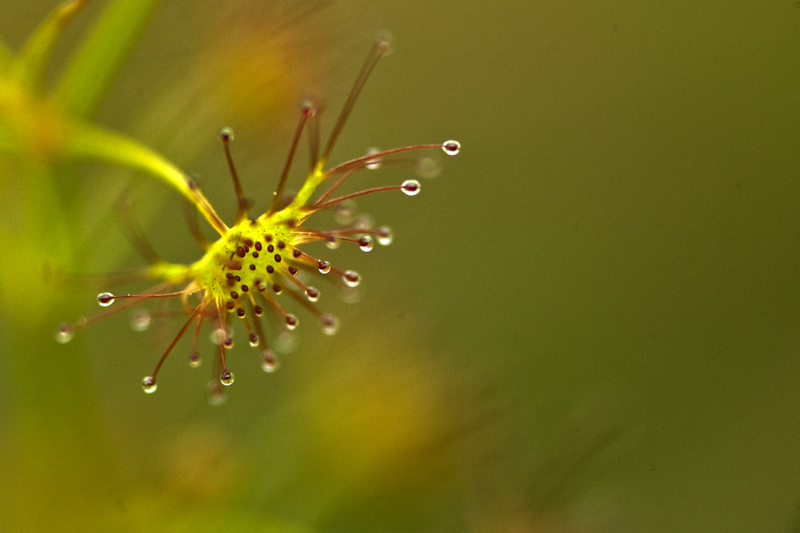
{"x":55,"y":462}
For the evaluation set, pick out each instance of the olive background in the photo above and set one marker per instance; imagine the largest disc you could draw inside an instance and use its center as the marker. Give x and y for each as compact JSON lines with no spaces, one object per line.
{"x":589,"y":321}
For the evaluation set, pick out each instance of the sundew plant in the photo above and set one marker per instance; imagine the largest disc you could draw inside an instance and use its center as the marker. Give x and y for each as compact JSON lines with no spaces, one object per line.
{"x":258,"y":263}
{"x":256,"y":259}
{"x":258,"y":276}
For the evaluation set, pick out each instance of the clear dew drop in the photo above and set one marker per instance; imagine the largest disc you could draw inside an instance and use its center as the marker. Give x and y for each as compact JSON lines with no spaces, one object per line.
{"x":286,"y":341}
{"x":105,"y":299}
{"x":218,"y":336}
{"x":428,"y":167}
{"x":350,"y":295}
{"x":384,"y":42}
{"x":64,"y":333}
{"x":308,"y":107}
{"x":333,"y":242}
{"x":364,"y":221}
{"x":330,"y":324}
{"x":352,"y":278}
{"x":451,"y":147}
{"x":228,"y":343}
{"x":141,"y":320}
{"x":195,"y":360}
{"x":366,"y":243}
{"x":384,"y":235}
{"x":344,"y":212}
{"x":324,"y":267}
{"x":149,"y":384}
{"x":312,"y":294}
{"x":216,"y":396}
{"x":226,"y":378}
{"x":254,"y":340}
{"x":226,"y":134}
{"x":410,"y":187}
{"x":269,"y":361}
{"x":373,"y":164}
{"x":291,"y":321}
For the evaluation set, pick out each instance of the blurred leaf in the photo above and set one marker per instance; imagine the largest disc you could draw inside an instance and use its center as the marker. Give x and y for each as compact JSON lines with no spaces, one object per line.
{"x":89,"y":75}
{"x":29,"y":66}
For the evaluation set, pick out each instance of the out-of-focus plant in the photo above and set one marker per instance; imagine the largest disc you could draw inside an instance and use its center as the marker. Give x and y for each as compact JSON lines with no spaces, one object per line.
{"x":43,"y":133}
{"x":55,"y":456}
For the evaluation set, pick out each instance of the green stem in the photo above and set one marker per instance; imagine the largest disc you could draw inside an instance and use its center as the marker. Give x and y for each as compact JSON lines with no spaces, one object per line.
{"x":91,"y":142}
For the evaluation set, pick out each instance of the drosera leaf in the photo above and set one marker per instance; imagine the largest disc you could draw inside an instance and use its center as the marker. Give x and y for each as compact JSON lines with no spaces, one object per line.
{"x":258,"y":265}
{"x":88,"y":75}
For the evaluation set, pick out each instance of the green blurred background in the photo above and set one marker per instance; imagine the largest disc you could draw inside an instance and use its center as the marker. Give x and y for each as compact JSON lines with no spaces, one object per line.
{"x":589,"y":321}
